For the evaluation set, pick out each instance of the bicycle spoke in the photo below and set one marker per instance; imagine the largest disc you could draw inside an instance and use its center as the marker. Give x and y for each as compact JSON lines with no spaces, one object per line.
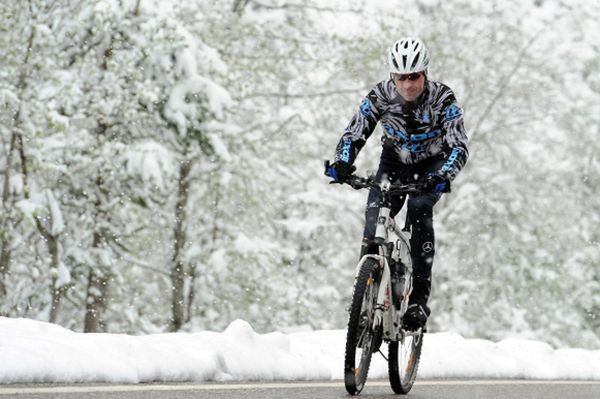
{"x":404,"y":361}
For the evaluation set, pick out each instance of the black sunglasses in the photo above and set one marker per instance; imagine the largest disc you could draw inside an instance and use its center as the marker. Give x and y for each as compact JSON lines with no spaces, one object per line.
{"x":410,"y":76}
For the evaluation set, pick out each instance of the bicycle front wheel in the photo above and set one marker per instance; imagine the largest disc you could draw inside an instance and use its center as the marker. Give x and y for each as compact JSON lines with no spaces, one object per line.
{"x":403,"y":362}
{"x":362,"y":338}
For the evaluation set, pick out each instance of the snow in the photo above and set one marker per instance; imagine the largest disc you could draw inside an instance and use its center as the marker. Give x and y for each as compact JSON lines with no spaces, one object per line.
{"x":59,"y":121}
{"x":248,"y":245}
{"x":152,"y":161}
{"x":58,"y":224}
{"x":34,"y":351}
{"x":192,"y":87}
{"x":27,"y":207}
{"x":220,"y":148}
{"x":63,"y":275}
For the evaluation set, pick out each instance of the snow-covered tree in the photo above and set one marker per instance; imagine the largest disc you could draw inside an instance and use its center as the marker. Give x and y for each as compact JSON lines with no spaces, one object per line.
{"x":161,"y":162}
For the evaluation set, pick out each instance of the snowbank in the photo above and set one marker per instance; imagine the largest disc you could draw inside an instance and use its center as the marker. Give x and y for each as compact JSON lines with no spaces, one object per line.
{"x":33,"y":351}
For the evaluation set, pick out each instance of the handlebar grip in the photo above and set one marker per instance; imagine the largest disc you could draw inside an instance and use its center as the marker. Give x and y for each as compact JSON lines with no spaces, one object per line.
{"x":327,"y":165}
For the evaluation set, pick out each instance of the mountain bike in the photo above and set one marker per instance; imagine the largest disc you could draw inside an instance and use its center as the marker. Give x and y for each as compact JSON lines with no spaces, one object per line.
{"x":382,"y":287}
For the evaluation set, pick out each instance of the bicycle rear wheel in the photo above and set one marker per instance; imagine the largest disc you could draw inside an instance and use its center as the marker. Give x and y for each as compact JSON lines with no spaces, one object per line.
{"x":362,"y":339}
{"x":403,"y":362}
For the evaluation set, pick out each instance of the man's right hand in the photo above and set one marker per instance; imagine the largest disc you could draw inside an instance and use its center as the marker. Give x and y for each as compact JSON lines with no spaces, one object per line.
{"x":339,"y":171}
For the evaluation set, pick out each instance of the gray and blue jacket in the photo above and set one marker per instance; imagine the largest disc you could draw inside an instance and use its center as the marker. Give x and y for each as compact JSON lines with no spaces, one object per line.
{"x":430,"y":127}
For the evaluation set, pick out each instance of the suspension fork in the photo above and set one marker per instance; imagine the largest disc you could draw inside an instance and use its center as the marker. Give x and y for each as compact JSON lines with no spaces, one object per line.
{"x":383,"y":302}
{"x":383,"y":295}
{"x":381,"y":231}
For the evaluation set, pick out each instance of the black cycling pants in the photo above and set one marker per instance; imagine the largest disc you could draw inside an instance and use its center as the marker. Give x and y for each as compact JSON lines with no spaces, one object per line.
{"x":420,"y":213}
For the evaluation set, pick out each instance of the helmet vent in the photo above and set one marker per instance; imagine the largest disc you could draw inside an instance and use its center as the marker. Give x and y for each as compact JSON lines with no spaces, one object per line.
{"x":416,"y":60}
{"x":404,"y":59}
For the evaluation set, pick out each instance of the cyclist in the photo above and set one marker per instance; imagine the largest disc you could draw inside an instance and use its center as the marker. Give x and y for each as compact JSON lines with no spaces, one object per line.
{"x":423,"y":140}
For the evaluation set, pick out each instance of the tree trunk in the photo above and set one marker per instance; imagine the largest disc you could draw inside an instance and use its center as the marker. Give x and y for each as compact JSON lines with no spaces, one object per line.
{"x":136,"y":10}
{"x":17,"y":143}
{"x":57,"y":292}
{"x":99,"y":274}
{"x":6,"y":222}
{"x":53,"y":248}
{"x":178,"y":272}
{"x":95,"y":307}
{"x":5,"y":241}
{"x":191,"y":293}
{"x":239,"y":5}
{"x":96,"y":304}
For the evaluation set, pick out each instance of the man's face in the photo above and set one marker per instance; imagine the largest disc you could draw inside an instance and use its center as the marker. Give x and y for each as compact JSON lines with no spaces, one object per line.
{"x":409,"y":86}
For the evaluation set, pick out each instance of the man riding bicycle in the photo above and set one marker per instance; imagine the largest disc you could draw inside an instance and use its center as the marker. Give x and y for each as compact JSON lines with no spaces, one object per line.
{"x":424,"y":141}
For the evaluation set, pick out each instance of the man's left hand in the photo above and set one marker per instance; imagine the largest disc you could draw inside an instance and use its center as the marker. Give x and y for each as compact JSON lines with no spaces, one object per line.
{"x":435,"y":183}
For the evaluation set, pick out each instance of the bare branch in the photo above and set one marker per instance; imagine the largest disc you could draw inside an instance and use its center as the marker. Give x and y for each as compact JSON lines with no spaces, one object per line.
{"x":304,"y":95}
{"x":136,"y":10}
{"x":304,"y":6}
{"x":239,"y":5}
{"x":282,"y":126}
{"x":506,"y":80}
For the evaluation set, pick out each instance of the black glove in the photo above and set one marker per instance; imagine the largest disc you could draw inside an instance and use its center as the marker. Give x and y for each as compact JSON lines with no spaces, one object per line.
{"x":339,"y":171}
{"x":435,"y":183}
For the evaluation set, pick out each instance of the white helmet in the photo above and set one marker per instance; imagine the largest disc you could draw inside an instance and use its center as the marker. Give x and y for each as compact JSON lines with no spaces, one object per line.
{"x":408,"y":55}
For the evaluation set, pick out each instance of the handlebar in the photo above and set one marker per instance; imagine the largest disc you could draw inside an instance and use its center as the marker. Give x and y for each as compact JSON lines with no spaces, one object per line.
{"x":358,"y":182}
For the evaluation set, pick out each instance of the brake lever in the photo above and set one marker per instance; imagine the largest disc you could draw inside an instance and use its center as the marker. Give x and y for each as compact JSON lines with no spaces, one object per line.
{"x":357,"y":182}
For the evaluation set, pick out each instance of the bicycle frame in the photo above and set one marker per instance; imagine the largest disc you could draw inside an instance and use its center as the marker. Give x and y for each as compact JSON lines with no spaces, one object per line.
{"x":393,"y":244}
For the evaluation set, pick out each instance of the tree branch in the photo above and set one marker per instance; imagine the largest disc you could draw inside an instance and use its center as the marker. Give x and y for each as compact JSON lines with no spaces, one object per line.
{"x":304,"y":95}
{"x":303,"y":6}
{"x":506,"y":79}
{"x":136,"y":10}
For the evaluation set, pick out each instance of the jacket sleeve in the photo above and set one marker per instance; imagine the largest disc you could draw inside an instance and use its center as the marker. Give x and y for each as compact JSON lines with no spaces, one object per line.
{"x":359,"y":129}
{"x":455,"y":138}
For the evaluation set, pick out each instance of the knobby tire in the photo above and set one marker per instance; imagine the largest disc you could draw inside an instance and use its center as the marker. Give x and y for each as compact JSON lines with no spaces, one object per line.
{"x":360,"y":333}
{"x":403,"y":362}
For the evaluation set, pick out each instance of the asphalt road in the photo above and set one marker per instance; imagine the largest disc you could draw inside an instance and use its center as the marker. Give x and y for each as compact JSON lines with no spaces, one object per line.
{"x":434,"y":389}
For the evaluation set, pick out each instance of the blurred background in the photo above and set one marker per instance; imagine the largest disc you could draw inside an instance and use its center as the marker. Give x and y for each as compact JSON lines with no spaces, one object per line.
{"x":162,"y":162}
